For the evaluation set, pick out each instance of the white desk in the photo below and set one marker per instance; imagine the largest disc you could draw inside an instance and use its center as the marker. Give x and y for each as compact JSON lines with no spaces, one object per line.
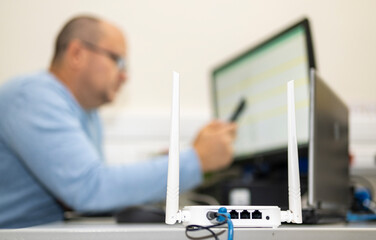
{"x":108,"y":229}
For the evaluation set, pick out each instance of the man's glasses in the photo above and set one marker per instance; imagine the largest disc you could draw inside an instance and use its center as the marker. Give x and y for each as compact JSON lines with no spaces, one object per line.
{"x":119,"y":60}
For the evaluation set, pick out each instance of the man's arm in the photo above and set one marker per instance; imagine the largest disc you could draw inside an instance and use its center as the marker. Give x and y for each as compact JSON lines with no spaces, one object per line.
{"x":44,"y":132}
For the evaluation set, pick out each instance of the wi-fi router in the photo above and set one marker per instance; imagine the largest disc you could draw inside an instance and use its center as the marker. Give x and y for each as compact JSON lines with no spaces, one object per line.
{"x":241,"y":216}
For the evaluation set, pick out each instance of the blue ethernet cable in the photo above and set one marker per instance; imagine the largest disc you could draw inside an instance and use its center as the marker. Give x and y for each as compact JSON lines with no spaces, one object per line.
{"x":222,"y":217}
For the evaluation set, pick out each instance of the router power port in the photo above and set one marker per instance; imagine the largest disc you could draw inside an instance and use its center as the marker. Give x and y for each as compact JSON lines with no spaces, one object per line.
{"x":245,"y":215}
{"x":257,"y":215}
{"x":234,"y":214}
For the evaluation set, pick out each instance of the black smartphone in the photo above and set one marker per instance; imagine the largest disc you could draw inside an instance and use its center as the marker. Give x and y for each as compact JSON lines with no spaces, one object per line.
{"x":238,"y":110}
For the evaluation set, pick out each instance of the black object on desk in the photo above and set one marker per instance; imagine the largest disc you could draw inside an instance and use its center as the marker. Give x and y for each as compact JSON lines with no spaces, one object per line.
{"x":140,"y":214}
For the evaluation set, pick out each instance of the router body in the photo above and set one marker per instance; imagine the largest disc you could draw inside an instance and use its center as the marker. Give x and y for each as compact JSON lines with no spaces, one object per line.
{"x":241,"y":216}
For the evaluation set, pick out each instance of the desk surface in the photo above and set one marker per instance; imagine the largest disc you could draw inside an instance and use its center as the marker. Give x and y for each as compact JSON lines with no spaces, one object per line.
{"x":108,"y":229}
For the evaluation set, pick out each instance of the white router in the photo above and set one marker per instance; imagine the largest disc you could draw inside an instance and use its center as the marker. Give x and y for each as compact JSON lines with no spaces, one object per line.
{"x":241,"y":216}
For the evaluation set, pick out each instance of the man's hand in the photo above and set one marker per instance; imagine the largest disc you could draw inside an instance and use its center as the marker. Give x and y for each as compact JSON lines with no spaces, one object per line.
{"x":214,"y":145}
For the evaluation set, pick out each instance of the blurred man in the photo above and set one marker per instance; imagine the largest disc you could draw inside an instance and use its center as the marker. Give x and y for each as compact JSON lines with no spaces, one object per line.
{"x":51,"y":138}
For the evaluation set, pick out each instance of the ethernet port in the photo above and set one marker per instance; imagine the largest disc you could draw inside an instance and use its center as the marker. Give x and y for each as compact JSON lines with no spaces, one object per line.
{"x":234,"y":214}
{"x":256,"y":215}
{"x":245,"y":215}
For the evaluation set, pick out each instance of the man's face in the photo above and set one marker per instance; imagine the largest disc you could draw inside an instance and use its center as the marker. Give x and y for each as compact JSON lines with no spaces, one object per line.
{"x":103,"y":75}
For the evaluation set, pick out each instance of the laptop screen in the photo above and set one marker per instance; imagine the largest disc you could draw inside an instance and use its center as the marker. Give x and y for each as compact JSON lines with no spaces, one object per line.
{"x":259,"y":76}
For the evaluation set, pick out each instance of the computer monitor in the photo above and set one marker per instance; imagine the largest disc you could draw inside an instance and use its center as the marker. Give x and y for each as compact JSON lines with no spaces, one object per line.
{"x":259,"y":75}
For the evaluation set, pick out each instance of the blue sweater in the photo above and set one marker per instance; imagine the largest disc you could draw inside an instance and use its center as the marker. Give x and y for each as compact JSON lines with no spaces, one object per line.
{"x":51,"y":153}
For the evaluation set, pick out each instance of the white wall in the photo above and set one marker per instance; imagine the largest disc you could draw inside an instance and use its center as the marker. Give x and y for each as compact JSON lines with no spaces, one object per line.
{"x":192,"y":37}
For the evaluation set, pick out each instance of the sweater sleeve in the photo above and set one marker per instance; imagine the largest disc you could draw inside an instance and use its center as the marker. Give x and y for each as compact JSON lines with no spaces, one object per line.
{"x":43,"y":130}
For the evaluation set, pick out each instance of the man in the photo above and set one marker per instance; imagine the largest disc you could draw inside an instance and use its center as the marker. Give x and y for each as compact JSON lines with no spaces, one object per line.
{"x":50,"y":136}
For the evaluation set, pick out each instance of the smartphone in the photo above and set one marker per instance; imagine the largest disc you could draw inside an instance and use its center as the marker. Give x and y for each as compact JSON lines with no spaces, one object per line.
{"x":238,"y":110}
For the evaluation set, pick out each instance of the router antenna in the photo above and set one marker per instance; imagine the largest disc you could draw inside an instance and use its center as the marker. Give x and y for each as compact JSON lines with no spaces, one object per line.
{"x":295,"y":203}
{"x":172,"y":198}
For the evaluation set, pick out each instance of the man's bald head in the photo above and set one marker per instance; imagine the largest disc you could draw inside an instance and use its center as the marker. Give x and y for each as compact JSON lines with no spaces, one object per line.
{"x":86,"y":28}
{"x":89,"y":59}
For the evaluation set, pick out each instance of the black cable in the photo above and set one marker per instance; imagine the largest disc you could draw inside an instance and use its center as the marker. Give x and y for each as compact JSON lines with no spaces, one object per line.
{"x":194,"y":228}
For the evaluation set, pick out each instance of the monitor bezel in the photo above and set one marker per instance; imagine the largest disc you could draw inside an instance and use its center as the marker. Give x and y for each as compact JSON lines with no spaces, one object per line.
{"x":274,"y":155}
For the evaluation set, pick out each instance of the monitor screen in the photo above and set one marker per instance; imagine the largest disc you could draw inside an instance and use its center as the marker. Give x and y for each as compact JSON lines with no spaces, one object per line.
{"x":259,"y":76}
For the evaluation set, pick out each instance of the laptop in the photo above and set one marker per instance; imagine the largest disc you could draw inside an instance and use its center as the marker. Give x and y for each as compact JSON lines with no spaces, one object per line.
{"x":328,"y":166}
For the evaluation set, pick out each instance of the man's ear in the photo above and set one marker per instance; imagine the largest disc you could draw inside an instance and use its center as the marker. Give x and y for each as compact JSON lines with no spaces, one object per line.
{"x":75,"y":54}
